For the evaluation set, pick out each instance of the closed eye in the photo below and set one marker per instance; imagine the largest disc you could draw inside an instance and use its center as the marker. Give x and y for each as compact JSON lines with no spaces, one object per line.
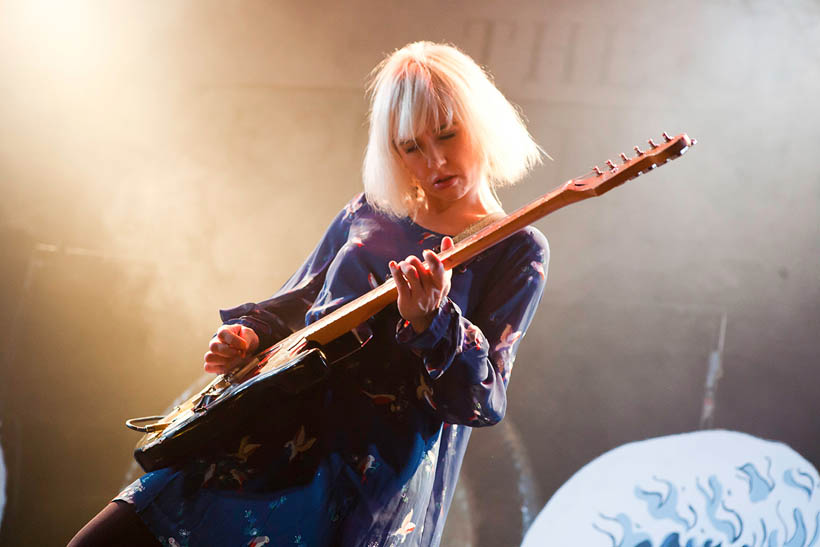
{"x":446,"y":136}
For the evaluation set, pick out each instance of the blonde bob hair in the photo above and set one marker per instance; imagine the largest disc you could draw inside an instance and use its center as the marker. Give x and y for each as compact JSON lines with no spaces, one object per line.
{"x":427,"y":85}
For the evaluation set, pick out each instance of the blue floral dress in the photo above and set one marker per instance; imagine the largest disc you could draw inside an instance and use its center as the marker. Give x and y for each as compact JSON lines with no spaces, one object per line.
{"x":373,"y":455}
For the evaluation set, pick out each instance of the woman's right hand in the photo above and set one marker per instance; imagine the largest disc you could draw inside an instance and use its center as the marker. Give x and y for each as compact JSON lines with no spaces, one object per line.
{"x":231,"y":347}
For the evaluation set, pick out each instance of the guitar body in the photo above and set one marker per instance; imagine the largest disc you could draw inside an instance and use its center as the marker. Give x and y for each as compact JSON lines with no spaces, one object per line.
{"x":207,"y":423}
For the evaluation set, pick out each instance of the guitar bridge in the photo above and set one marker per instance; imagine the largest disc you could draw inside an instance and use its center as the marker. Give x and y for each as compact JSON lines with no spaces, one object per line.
{"x":210,"y":394}
{"x":202,"y":404}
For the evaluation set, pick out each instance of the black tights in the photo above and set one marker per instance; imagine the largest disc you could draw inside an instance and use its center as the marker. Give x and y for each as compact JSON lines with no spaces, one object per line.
{"x":116,"y":525}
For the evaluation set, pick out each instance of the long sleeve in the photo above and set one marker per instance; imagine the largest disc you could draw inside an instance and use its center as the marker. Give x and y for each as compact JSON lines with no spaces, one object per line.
{"x":284,"y":312}
{"x":468,"y":362}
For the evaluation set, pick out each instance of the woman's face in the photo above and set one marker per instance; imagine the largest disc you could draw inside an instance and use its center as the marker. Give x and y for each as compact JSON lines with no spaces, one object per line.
{"x":444,"y":164}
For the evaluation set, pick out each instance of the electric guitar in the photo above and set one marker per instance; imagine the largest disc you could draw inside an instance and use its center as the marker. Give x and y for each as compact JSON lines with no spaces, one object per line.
{"x":296,"y":363}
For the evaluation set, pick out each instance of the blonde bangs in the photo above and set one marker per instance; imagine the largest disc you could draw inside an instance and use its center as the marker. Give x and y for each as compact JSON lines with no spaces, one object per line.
{"x":420,"y":103}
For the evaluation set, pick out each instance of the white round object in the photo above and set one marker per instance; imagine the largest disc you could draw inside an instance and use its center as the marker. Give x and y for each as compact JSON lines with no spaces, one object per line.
{"x":702,"y":488}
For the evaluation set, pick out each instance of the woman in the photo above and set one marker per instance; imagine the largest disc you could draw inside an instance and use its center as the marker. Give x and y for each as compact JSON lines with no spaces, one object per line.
{"x":373,"y":455}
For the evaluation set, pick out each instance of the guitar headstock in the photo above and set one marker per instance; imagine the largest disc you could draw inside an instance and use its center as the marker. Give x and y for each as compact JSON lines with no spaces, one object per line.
{"x":601,"y":181}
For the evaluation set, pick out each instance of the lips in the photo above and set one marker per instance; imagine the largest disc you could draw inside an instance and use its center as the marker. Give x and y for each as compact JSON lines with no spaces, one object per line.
{"x":444,"y":181}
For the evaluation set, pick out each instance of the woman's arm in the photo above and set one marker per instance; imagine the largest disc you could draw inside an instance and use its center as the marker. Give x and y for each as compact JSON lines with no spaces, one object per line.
{"x":467,"y":363}
{"x":277,"y":317}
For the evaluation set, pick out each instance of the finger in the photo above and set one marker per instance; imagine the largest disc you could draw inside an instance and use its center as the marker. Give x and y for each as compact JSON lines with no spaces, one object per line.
{"x":220,"y":344}
{"x":217,"y":368}
{"x":226,"y":332}
{"x":220,"y":365}
{"x":412,"y":276}
{"x":231,"y":337}
{"x":424,"y":275}
{"x":232,"y":329}
{"x":446,"y":244}
{"x":401,"y":283}
{"x":416,"y":263}
{"x":445,"y":289}
{"x":224,"y":350}
{"x":250,"y":338}
{"x":214,"y":358}
{"x":435,"y":266}
{"x":210,"y":366}
{"x":217,"y":364}
{"x":440,"y":277}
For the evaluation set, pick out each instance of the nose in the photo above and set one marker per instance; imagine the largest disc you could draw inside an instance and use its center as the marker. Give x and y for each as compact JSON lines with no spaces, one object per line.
{"x":435,"y":157}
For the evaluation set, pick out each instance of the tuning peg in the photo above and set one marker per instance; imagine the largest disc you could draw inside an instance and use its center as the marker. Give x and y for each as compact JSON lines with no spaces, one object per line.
{"x":611,"y":165}
{"x":666,"y":137}
{"x":624,"y":158}
{"x":597,"y":171}
{"x":652,"y":143}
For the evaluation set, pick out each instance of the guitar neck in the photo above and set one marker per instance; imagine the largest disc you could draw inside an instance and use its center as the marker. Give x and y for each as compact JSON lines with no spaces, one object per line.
{"x":356,"y":312}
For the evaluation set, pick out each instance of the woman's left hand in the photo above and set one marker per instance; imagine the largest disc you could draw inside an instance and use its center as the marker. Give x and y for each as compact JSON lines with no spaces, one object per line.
{"x":422,"y":286}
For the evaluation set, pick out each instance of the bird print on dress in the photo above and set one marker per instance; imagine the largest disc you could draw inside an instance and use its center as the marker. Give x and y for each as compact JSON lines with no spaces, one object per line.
{"x":209,"y":474}
{"x":425,"y":236}
{"x":424,"y":391}
{"x":245,"y":449}
{"x":504,"y":365}
{"x":505,"y":350}
{"x":472,"y":337}
{"x":507,"y":339}
{"x":353,"y":205}
{"x":430,"y":457}
{"x":299,"y":444}
{"x":258,"y":541}
{"x":239,"y":477}
{"x":539,"y":267}
{"x":365,"y":466}
{"x":225,"y":474}
{"x":383,"y":399}
{"x":380,"y":398}
{"x":406,"y":527}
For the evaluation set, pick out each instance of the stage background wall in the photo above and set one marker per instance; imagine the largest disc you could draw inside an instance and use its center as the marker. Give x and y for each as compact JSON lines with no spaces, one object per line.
{"x":159,"y":161}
